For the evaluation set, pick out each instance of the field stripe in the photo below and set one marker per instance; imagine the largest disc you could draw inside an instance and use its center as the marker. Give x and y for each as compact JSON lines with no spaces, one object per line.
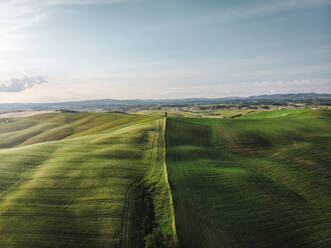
{"x":166,"y":177}
{"x":126,"y":233}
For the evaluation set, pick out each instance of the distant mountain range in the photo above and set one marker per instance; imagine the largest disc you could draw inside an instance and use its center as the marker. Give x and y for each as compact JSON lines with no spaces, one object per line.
{"x":111,"y":104}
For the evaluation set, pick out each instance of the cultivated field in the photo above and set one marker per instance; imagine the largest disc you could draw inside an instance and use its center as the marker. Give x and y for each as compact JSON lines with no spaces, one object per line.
{"x":130,"y":180}
{"x":261,"y":180}
{"x":70,"y":180}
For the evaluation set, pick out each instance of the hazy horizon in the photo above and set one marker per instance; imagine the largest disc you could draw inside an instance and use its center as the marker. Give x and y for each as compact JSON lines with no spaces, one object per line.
{"x":152,"y":99}
{"x":73,"y":50}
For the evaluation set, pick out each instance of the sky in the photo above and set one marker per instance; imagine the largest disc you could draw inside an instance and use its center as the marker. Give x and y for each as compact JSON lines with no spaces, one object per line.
{"x":69,"y":50}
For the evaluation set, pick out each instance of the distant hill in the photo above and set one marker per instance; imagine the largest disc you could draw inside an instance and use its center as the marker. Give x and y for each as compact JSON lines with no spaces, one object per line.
{"x":113,"y":104}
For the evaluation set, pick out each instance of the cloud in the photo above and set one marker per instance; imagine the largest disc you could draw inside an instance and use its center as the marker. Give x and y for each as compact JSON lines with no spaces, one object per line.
{"x":19,"y":14}
{"x":15,"y":14}
{"x":21,"y":84}
{"x":65,"y":91}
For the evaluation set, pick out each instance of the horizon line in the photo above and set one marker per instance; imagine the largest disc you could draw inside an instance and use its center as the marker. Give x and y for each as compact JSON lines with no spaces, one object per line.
{"x":166,"y":99}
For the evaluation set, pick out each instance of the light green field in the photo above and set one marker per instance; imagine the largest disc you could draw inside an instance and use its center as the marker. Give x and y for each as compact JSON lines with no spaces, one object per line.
{"x":55,"y":126}
{"x":217,"y":113}
{"x":256,"y":181}
{"x":67,"y":180}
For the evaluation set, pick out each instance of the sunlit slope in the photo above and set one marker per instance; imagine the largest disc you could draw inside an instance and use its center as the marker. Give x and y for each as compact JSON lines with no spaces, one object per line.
{"x":71,"y":192}
{"x":261,"y":181}
{"x":150,"y":215}
{"x":56,"y":126}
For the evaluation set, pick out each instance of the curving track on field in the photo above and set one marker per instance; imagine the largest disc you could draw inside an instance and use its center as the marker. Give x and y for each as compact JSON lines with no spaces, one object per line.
{"x":126,"y":230}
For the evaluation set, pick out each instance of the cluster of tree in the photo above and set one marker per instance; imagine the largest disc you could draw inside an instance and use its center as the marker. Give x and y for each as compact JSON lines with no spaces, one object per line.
{"x":6,"y":120}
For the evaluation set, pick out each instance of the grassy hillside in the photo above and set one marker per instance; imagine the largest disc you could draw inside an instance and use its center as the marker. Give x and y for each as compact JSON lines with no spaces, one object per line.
{"x":218,"y":113}
{"x":256,"y":181}
{"x":100,"y":180}
{"x":55,"y":126}
{"x":65,"y":179}
{"x":152,"y":212}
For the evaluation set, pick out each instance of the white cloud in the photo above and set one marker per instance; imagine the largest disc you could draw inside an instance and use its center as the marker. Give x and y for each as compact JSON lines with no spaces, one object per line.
{"x":19,"y":24}
{"x":21,"y":84}
{"x":52,"y":92}
{"x":135,"y":79}
{"x":15,"y":15}
{"x":18,"y":14}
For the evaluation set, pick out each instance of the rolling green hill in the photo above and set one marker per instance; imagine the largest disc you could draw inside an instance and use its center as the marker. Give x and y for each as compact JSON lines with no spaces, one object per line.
{"x":77,"y":180}
{"x":257,"y":181}
{"x":121,"y":180}
{"x":56,"y":126}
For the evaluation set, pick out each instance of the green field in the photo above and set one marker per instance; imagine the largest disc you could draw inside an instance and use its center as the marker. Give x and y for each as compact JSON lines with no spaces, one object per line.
{"x":261,"y":180}
{"x":133,"y":180}
{"x":219,"y":113}
{"x":70,"y":180}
